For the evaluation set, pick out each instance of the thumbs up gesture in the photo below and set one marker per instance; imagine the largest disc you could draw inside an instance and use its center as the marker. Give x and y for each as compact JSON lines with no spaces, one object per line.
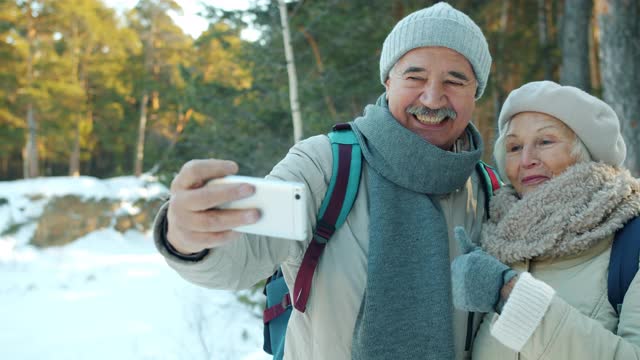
{"x":476,"y":276}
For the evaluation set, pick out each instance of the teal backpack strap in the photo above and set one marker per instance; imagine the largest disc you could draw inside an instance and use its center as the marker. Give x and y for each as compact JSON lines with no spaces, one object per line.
{"x":335,"y":207}
{"x":490,"y":180}
{"x":337,"y":203}
{"x":340,"y":136}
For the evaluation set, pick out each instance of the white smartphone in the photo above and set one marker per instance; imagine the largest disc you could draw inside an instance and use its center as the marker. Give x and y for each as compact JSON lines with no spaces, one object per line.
{"x":281,"y":203}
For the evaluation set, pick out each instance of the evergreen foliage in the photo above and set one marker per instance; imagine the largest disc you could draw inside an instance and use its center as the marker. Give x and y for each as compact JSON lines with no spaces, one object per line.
{"x":93,"y":72}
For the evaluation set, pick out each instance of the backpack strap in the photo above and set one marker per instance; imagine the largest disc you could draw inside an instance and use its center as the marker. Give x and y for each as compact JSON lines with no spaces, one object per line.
{"x":623,"y":263}
{"x":276,"y":315}
{"x":490,"y":180}
{"x":277,"y":309}
{"x":337,"y":203}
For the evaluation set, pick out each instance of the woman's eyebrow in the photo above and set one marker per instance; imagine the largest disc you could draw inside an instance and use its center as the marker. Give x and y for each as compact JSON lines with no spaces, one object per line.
{"x":547,"y":127}
{"x":537,"y":131}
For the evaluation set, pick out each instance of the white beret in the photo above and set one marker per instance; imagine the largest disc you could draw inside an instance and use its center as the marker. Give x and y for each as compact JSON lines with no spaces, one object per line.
{"x":590,"y":118}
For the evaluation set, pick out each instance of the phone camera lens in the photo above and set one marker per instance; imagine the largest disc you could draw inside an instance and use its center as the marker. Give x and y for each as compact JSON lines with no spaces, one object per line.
{"x":297,"y":196}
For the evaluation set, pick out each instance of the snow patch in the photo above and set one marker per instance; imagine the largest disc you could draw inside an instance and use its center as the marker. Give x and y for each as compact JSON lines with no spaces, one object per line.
{"x":108,"y":295}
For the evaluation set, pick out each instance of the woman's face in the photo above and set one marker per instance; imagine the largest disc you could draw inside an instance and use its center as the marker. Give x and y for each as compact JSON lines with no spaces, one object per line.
{"x":537,"y":147}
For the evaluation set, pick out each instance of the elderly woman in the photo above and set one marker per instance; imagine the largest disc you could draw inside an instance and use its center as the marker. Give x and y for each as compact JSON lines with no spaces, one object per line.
{"x":553,"y":226}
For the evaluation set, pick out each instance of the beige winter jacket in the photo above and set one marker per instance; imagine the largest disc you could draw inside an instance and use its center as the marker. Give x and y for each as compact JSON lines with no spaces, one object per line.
{"x":579,"y":322}
{"x":324,"y":331}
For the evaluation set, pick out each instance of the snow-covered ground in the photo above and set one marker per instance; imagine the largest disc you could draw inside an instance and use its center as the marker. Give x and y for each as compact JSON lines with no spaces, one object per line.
{"x":108,"y":295}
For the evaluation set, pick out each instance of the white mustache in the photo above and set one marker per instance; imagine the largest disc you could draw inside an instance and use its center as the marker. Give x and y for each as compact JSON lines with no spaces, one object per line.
{"x":431,"y":116}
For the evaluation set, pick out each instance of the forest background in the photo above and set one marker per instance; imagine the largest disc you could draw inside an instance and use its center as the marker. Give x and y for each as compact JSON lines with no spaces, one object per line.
{"x":85,"y":90}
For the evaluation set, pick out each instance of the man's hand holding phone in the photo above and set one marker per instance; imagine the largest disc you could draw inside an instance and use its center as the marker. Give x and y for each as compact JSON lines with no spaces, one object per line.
{"x":194,"y":222}
{"x":282,"y":206}
{"x":209,"y":204}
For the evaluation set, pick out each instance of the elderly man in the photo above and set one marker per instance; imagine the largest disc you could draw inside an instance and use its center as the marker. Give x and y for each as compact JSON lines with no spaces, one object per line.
{"x":382,"y":288}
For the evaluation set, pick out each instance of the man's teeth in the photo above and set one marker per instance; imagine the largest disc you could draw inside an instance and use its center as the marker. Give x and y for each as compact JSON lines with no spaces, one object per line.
{"x":431,"y":120}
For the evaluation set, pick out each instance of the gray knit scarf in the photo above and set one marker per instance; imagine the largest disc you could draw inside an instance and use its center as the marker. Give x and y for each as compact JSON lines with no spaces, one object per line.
{"x":564,"y":216}
{"x":406,"y":311}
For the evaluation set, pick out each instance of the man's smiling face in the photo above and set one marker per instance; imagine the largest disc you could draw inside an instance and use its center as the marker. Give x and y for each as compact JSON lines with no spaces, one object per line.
{"x":431,"y":91}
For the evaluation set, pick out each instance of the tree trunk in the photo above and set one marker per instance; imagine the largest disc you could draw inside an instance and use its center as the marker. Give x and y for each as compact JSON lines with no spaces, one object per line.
{"x":291,"y":70}
{"x":74,"y":158}
{"x":31,"y":149}
{"x":151,"y":69}
{"x":620,"y":69}
{"x":32,"y":144}
{"x":4,"y":160}
{"x":499,"y":78}
{"x":398,"y":10}
{"x":141,"y":130}
{"x":183,"y":119}
{"x":543,"y":39}
{"x":594,"y":61}
{"x":320,"y":67}
{"x":574,"y":69}
{"x":25,"y":162}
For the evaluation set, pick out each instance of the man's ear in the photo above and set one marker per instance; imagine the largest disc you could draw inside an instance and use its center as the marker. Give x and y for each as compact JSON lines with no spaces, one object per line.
{"x":475,"y":92}
{"x":386,"y":88}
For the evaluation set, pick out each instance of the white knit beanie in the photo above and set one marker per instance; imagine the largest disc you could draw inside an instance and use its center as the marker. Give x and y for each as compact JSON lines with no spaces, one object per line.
{"x":438,"y":25}
{"x":590,"y":118}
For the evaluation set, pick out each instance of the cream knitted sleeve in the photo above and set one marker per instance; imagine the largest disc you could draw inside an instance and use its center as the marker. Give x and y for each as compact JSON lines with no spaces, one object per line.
{"x":523,"y":312}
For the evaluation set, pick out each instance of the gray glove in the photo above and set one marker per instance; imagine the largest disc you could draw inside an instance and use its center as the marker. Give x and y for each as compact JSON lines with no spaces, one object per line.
{"x":477,"y":277}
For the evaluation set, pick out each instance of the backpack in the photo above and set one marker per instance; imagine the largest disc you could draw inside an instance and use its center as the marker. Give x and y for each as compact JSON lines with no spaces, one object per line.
{"x":623,"y":262}
{"x":336,"y":205}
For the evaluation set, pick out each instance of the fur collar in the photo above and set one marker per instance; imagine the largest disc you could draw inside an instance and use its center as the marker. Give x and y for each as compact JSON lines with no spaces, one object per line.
{"x":564,"y":216}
